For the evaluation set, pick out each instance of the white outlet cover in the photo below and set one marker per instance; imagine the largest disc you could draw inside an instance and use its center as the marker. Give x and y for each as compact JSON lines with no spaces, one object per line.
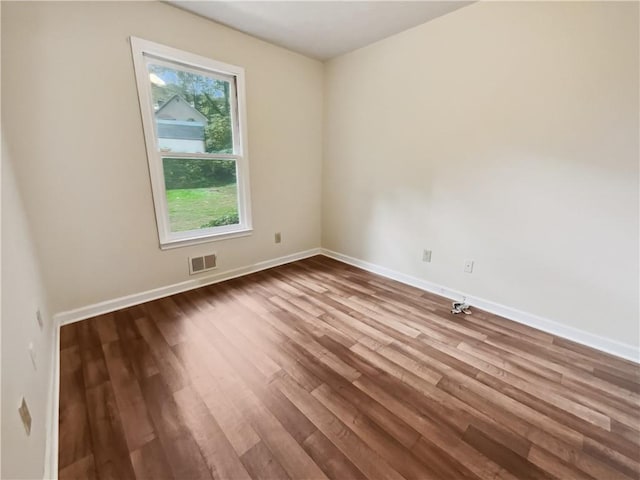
{"x":32,"y":354}
{"x":468,"y":266}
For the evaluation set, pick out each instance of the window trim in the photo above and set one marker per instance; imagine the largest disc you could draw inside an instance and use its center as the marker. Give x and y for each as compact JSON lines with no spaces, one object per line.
{"x":143,"y":50}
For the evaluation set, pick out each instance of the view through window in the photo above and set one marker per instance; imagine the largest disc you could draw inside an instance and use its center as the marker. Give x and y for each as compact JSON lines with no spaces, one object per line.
{"x":196,"y":152}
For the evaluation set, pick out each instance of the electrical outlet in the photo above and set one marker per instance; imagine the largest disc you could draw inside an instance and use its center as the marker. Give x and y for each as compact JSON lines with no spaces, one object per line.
{"x":39,"y":319}
{"x":426,"y":256}
{"x":277,"y":237}
{"x":468,"y":266}
{"x":25,"y":416}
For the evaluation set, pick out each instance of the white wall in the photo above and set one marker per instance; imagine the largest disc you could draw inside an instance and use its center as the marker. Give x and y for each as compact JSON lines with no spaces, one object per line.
{"x":22,"y":294}
{"x":505,"y":133}
{"x":72,"y":117}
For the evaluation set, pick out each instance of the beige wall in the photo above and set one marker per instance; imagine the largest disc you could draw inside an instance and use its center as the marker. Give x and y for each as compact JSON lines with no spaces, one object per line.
{"x":71,"y":113}
{"x":22,"y":294}
{"x":504,"y":133}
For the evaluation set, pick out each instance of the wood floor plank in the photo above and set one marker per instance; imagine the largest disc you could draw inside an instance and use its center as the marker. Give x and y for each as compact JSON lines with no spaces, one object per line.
{"x":106,"y":328}
{"x":150,"y":462}
{"x":68,"y":336}
{"x":598,"y":436}
{"x":261,"y":465}
{"x":451,"y":453}
{"x":318,"y":369}
{"x":94,"y":369}
{"x":280,"y":442}
{"x":207,"y":377}
{"x":331,"y":460}
{"x":421,"y":384}
{"x":135,"y":346}
{"x":110,"y":450}
{"x":282,"y":323}
{"x":84,"y":468}
{"x":167,"y":364}
{"x":384,"y":418}
{"x":131,"y":405}
{"x":525,"y":384}
{"x":236,"y":428}
{"x":549,"y":380}
{"x":258,"y":380}
{"x":370,"y":463}
{"x":214,"y":446}
{"x":75,"y":436}
{"x":275,"y":344}
{"x":180,"y":449}
{"x":614,"y":458}
{"x":502,"y":455}
{"x":167,"y":319}
{"x":398,"y":456}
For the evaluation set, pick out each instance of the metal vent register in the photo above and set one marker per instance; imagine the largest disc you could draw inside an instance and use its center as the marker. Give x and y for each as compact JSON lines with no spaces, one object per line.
{"x":202,"y":264}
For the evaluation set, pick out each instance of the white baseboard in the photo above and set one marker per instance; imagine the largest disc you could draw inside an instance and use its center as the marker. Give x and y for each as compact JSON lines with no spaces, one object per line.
{"x":108,"y":306}
{"x":613,"y":347}
{"x":51,"y":454}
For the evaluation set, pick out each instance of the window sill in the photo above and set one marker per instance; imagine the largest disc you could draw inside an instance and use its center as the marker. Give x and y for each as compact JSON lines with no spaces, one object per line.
{"x":209,"y":238}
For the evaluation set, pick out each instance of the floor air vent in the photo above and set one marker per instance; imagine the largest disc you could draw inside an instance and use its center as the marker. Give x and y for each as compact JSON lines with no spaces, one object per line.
{"x":202,"y":264}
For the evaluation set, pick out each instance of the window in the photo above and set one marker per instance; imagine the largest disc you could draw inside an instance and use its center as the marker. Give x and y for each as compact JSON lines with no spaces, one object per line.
{"x":195,"y":131}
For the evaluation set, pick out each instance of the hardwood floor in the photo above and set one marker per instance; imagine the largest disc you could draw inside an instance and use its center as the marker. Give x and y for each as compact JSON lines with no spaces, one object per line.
{"x":320,"y":370}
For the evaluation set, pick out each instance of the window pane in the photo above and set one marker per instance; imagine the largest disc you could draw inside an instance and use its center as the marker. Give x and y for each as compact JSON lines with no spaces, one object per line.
{"x":192,"y":111}
{"x":201,"y":193}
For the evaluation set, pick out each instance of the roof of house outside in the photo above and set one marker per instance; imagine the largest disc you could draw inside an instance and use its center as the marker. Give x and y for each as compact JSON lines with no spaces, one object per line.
{"x":185,"y":103}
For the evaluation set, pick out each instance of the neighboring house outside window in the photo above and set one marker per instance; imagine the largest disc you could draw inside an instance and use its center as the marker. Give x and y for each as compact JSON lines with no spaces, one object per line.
{"x":180,"y":126}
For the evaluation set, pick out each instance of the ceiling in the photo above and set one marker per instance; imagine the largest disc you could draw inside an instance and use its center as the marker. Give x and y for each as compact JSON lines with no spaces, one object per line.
{"x":320,"y":29}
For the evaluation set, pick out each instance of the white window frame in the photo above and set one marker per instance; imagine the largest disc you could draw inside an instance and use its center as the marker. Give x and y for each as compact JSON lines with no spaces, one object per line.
{"x":145,"y":52}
